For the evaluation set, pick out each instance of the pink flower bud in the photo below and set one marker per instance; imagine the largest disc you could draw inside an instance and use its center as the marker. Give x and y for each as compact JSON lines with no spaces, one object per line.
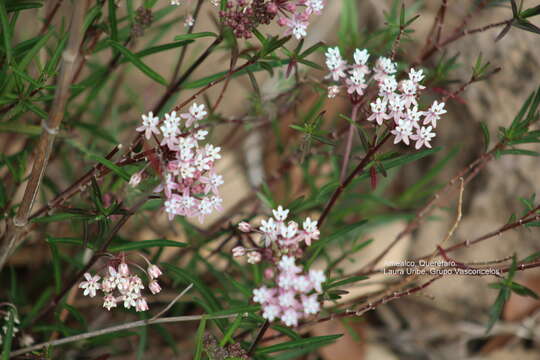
{"x":135,"y":179}
{"x":141,"y":305}
{"x":272,"y":8}
{"x":154,"y":287}
{"x":269,"y":273}
{"x":244,"y":227}
{"x":123,"y":269}
{"x":154,"y":272}
{"x":238,"y":251}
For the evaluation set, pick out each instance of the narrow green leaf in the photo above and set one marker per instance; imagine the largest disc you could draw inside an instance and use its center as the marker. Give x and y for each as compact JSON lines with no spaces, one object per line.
{"x":17,"y":127}
{"x":485,"y":132}
{"x":8,"y":336}
{"x":349,"y":280}
{"x":297,"y":344}
{"x":195,"y":36}
{"x":111,"y":166}
{"x":199,"y":339}
{"x":112,"y":20}
{"x":138,"y":245}
{"x":19,"y":5}
{"x":61,"y":217}
{"x":56,"y":267}
{"x":138,"y":63}
{"x":230,"y":330}
{"x":6,"y":31}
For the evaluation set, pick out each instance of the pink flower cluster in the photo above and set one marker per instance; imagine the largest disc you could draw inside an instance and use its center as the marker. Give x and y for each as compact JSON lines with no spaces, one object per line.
{"x":396,"y":101}
{"x":190,"y":181}
{"x":121,"y":285}
{"x":294,"y":293}
{"x":295,"y":15}
{"x":244,"y":16}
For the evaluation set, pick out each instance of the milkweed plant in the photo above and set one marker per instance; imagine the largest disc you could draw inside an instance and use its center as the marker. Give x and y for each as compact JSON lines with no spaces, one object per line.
{"x":124,"y":229}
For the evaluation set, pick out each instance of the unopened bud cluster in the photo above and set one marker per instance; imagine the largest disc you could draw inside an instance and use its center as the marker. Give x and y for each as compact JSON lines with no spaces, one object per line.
{"x":244,"y":16}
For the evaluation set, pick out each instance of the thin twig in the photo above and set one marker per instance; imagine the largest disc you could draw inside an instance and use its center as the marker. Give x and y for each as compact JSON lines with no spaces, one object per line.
{"x":50,"y":129}
{"x":348,"y":147}
{"x":116,"y":328}
{"x":172,"y":303}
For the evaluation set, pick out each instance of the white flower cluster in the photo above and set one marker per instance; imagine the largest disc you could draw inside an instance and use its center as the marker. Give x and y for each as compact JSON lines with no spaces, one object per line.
{"x":121,"y":285}
{"x":294,"y":295}
{"x":397,"y":101}
{"x":190,"y":180}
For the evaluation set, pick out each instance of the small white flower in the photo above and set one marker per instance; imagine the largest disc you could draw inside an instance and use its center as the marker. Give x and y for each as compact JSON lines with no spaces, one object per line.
{"x":91,"y":285}
{"x":403,"y":132}
{"x":310,"y":304}
{"x":254,"y":257}
{"x":189,"y":21}
{"x":130,"y":300}
{"x":287,"y":299}
{"x":280,"y":214}
{"x":423,"y":137}
{"x":434,"y":113}
{"x":270,"y":312}
{"x":290,"y":317}
{"x":109,"y":302}
{"x":333,"y":91}
{"x":262,"y":295}
{"x":378,"y":109}
{"x":149,"y":125}
{"x":317,"y":278}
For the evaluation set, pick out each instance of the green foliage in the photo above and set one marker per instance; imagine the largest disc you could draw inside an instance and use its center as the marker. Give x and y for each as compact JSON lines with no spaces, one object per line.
{"x":506,"y":286}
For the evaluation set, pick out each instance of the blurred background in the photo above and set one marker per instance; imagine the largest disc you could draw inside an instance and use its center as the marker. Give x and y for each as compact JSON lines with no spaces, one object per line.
{"x":444,"y":322}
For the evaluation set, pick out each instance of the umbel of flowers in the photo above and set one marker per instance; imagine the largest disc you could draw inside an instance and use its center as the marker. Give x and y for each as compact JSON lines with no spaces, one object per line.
{"x":396,"y":102}
{"x":120,"y":285}
{"x":291,"y":293}
{"x":243,"y":16}
{"x":190,"y":181}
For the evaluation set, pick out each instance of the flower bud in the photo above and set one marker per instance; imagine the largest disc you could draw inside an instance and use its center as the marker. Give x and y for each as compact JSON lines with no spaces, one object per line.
{"x":154,"y":287}
{"x":123,"y":269}
{"x":135,"y":179}
{"x":154,"y":272}
{"x":141,"y":305}
{"x":244,"y":227}
{"x":238,"y":251}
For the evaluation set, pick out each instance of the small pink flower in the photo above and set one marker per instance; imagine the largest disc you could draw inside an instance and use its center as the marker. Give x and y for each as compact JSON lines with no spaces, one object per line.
{"x":91,"y":285}
{"x":378,"y":110}
{"x":254,"y":257}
